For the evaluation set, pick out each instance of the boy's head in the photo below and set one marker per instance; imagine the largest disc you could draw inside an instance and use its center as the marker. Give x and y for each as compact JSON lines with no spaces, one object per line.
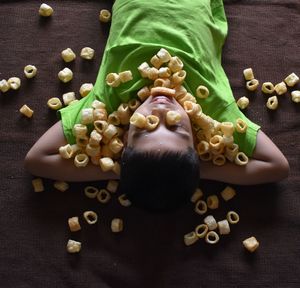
{"x":160,"y":168}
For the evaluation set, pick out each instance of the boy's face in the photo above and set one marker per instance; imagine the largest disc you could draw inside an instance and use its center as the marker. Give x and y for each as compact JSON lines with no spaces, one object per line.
{"x":175,"y":138}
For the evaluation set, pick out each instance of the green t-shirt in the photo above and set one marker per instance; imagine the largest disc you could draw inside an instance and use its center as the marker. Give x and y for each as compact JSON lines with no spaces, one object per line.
{"x":194,"y":31}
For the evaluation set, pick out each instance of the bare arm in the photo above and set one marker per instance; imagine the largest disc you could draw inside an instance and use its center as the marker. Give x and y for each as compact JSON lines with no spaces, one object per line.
{"x":267,"y":164}
{"x":43,"y":160}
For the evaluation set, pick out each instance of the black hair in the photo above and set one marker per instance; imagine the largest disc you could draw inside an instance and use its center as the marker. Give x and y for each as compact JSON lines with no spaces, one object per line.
{"x":159,"y":181}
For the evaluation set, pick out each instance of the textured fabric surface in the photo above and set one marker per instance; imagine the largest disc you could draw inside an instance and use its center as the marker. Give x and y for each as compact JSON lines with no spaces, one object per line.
{"x":149,"y":252}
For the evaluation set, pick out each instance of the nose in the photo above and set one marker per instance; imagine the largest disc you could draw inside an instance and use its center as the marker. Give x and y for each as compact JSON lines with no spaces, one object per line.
{"x":160,"y":112}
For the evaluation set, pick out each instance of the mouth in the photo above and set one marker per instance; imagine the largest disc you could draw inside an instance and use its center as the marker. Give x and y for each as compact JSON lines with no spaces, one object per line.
{"x":161,"y":99}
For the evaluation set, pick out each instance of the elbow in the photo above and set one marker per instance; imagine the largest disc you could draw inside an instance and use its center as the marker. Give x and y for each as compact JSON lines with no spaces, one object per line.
{"x":282,"y":169}
{"x":30,"y":163}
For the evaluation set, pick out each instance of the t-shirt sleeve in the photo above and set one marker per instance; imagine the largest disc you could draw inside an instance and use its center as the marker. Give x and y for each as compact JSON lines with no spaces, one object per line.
{"x":71,"y":115}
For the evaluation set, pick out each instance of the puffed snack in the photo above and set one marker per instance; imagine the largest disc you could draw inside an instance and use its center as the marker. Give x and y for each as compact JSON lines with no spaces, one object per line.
{"x":106,"y":164}
{"x":26,"y":111}
{"x":243,"y":102}
{"x":202,"y":92}
{"x":200,"y":207}
{"x":45,"y":10}
{"x":125,"y":76}
{"x":201,"y":230}
{"x":251,"y":244}
{"x":117,"y":225}
{"x":152,"y":122}
{"x":91,"y":192}
{"x":68,"y":97}
{"x":241,"y":159}
{"x":104,"y":15}
{"x":85,"y":89}
{"x":211,"y":222}
{"x":54,"y":103}
{"x":232,"y":217}
{"x":61,"y":186}
{"x":30,"y":71}
{"x":291,"y":80}
{"x":91,"y":217}
{"x":190,"y":238}
{"x":296,"y":96}
{"x":113,"y":79}
{"x":73,"y":246}
{"x":4,"y":86}
{"x":87,"y":53}
{"x":81,"y":160}
{"x":212,"y":237}
{"x":173,"y":117}
{"x":124,"y":201}
{"x":112,"y":186}
{"x":103,"y":196}
{"x":14,"y":83}
{"x":65,"y":75}
{"x":74,"y":224}
{"x":175,"y":64}
{"x":228,"y":193}
{"x":68,"y":55}
{"x":196,"y":195}
{"x":252,"y":85}
{"x":38,"y":185}
{"x":163,"y":55}
{"x":212,"y":202}
{"x":248,"y":74}
{"x":272,"y":103}
{"x":280,"y":88}
{"x":267,"y":88}
{"x":224,"y":227}
{"x":241,"y":126}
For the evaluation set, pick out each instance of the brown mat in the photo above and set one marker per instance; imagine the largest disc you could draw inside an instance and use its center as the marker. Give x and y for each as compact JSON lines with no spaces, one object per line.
{"x":150,"y":252}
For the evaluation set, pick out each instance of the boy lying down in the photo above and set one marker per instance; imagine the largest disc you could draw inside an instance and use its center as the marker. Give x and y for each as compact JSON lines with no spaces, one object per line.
{"x":161,"y":166}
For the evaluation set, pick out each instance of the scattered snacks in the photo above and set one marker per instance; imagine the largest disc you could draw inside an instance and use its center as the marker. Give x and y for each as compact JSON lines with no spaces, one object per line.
{"x":73,"y":246}
{"x":212,"y":202}
{"x":233,"y":217}
{"x":124,"y":201}
{"x":212,"y":237}
{"x":248,"y":74}
{"x":243,"y":102}
{"x":106,"y":164}
{"x":211,"y":222}
{"x":190,"y":238}
{"x":152,"y":122}
{"x":197,"y":195}
{"x":91,"y":192}
{"x":201,"y":207}
{"x":68,"y":55}
{"x":91,"y":217}
{"x":267,"y":88}
{"x":61,"y":186}
{"x":65,"y":75}
{"x":104,"y":15}
{"x":74,"y":224}
{"x":291,"y":80}
{"x":175,"y":64}
{"x":224,"y":227}
{"x":54,"y":103}
{"x":30,"y":71}
{"x":112,"y":186}
{"x":201,"y":230}
{"x":87,"y":53}
{"x":158,"y":91}
{"x":251,"y":244}
{"x":103,"y":196}
{"x":241,"y":159}
{"x":25,"y":110}
{"x":14,"y":83}
{"x":202,"y":92}
{"x":38,"y":185}
{"x":241,"y":126}
{"x":117,"y":225}
{"x":45,"y":10}
{"x":68,"y":97}
{"x":125,"y":76}
{"x":4,"y":86}
{"x":296,"y":96}
{"x":272,"y":103}
{"x":252,"y":84}
{"x":113,"y":79}
{"x":164,"y":56}
{"x":85,"y":89}
{"x":81,"y":160}
{"x":228,"y":193}
{"x":280,"y":88}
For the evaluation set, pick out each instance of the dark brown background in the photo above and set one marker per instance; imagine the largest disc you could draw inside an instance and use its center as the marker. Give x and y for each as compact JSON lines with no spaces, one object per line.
{"x":150,"y":252}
